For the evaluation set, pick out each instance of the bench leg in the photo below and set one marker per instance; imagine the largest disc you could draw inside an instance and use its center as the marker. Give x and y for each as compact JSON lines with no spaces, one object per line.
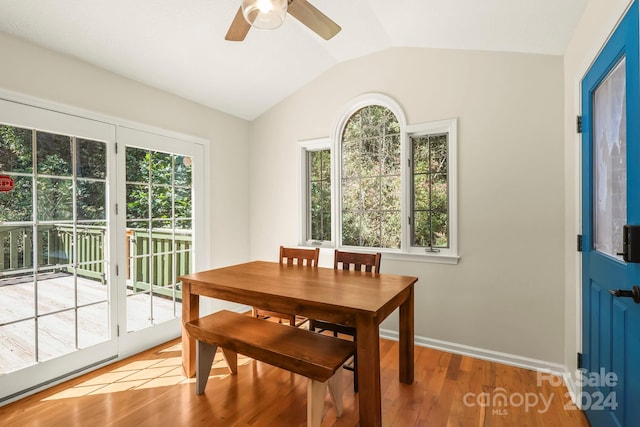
{"x":335,"y":390}
{"x":204,"y":360}
{"x":231,"y":358}
{"x":316,"y":391}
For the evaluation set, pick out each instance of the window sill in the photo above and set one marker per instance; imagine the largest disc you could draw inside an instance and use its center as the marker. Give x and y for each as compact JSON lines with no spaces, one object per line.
{"x":393,"y":255}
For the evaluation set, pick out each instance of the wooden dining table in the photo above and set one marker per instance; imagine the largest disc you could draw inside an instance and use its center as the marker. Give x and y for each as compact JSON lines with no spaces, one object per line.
{"x":359,"y":299}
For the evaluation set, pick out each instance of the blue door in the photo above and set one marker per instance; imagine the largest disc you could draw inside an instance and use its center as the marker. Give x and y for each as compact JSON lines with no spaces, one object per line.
{"x":611,"y":200}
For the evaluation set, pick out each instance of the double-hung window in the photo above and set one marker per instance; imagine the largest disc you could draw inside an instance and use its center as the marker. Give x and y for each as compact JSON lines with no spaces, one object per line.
{"x":394,"y":185}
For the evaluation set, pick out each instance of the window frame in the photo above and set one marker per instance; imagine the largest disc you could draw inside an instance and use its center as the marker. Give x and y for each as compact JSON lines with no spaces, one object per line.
{"x":306,"y":147}
{"x":407,"y":252}
{"x":449,"y":126}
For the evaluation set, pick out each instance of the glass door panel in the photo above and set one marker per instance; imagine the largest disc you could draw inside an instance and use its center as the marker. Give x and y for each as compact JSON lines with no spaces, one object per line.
{"x":55,"y":215}
{"x":610,"y":161}
{"x":159,"y":235}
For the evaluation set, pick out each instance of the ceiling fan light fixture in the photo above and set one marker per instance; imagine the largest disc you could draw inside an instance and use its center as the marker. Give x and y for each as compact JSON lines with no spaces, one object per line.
{"x":265,"y":14}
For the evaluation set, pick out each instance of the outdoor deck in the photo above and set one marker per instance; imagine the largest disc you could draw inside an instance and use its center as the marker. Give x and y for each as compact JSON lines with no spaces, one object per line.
{"x":56,"y":328}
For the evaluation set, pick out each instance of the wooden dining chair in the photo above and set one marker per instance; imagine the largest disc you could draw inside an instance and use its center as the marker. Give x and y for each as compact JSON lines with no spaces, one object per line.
{"x":291,"y":257}
{"x":369,"y":263}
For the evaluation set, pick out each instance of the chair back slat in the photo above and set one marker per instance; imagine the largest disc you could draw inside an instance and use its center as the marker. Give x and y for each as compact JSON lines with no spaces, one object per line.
{"x":299,"y":257}
{"x":369,"y":263}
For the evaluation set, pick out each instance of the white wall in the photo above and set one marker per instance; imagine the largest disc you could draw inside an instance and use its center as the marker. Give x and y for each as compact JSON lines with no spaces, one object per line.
{"x":507,"y":293}
{"x":33,"y":71}
{"x":597,"y":23}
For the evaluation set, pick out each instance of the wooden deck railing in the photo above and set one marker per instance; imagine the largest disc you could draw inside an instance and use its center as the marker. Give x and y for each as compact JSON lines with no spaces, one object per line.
{"x":155,"y":258}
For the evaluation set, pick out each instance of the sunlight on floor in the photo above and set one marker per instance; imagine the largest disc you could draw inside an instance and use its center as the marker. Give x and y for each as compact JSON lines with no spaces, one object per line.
{"x":144,"y":374}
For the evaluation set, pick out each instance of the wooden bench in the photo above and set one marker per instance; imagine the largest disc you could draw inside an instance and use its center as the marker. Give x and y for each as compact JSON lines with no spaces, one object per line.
{"x":315,"y":356}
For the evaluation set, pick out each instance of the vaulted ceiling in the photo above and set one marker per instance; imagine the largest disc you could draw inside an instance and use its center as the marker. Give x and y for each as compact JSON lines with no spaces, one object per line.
{"x":179,"y":46}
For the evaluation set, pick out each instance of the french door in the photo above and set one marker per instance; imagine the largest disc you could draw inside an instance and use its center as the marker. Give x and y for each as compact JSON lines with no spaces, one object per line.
{"x":610,"y":200}
{"x":158,"y":178}
{"x":97,"y":222}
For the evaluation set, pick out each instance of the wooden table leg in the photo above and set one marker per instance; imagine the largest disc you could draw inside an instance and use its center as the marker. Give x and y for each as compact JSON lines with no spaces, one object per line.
{"x":370,"y":395}
{"x":406,"y":325}
{"x":190,"y":311}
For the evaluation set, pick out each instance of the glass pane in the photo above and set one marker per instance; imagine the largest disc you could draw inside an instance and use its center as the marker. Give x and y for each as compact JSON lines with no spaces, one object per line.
{"x":56,"y":335}
{"x":91,"y":157}
{"x":183,"y":170}
{"x":93,"y":324}
{"x":56,"y":291}
{"x":92,"y":286}
{"x":610,"y":161}
{"x":370,"y":188}
{"x":439,"y":192}
{"x":17,"y":204}
{"x":137,"y":201}
{"x":439,"y":229}
{"x":438,"y":158}
{"x":390,"y":155}
{"x":21,"y":339}
{"x":54,"y":154}
{"x":350,"y":228}
{"x":17,"y":248}
{"x":422,"y":228}
{"x":55,"y":199}
{"x":183,"y":202}
{"x":161,"y":167}
{"x":137,"y":165}
{"x":16,"y":148}
{"x":421,"y":192}
{"x":371,"y":231}
{"x":17,"y":297}
{"x":55,"y":243}
{"x":161,"y":201}
{"x":391,"y":229}
{"x":91,"y":200}
{"x":91,"y":242}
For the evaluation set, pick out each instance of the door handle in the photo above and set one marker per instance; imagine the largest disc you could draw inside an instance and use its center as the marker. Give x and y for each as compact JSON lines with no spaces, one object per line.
{"x":633,"y":293}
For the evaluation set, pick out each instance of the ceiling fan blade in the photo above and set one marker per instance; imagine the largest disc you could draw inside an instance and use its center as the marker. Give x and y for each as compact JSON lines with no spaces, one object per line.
{"x":317,"y":21}
{"x":238,"y":29}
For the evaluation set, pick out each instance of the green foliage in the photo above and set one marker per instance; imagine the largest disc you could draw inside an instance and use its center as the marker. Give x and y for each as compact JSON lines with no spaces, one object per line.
{"x":158,"y":189}
{"x":371,"y":189}
{"x":430,"y":189}
{"x":320,"y":194}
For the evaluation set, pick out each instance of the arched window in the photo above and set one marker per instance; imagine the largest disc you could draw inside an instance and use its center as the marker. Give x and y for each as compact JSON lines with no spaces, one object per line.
{"x":371,"y":195}
{"x":393,"y":185}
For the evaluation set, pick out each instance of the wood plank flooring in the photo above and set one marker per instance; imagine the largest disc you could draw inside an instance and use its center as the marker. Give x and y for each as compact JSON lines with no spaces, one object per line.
{"x":149,"y":390}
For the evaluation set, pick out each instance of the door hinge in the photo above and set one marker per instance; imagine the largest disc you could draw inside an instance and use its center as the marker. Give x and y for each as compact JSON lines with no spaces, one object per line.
{"x":117,"y":270}
{"x":116,"y":209}
{"x":579,"y":360}
{"x":579,"y":124}
{"x":409,"y":219}
{"x":116,"y":144}
{"x":117,"y":330}
{"x":579,"y":243}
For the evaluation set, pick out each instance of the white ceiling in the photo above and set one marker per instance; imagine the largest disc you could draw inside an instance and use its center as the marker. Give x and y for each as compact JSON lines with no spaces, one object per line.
{"x":179,"y":46}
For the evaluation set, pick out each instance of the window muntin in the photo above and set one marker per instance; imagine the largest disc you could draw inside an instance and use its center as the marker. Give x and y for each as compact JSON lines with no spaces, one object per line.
{"x":430,"y":191}
{"x":371,"y":179}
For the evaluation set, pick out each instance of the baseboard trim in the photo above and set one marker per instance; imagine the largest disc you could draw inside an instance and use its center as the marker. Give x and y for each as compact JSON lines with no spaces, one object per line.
{"x":484,"y":354}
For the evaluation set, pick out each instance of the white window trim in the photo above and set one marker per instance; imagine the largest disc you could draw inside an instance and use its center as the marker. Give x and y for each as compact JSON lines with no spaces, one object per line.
{"x":333,"y":143}
{"x":450,"y":127}
{"x":406,"y":253}
{"x":303,"y":173}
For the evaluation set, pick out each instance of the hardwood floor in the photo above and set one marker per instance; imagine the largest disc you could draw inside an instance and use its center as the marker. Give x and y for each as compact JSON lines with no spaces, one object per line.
{"x":149,"y":390}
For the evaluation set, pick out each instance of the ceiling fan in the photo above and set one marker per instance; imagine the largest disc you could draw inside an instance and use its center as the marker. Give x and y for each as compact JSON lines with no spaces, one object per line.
{"x":269,"y":14}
